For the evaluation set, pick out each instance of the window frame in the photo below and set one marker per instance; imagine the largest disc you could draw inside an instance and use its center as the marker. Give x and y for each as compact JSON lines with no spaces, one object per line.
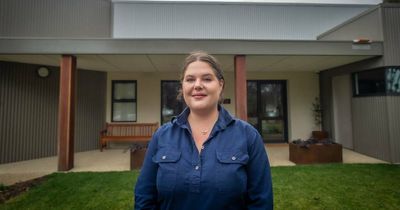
{"x":113,"y":100}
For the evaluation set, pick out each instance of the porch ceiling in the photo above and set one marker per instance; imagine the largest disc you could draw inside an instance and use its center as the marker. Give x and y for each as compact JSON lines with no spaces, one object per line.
{"x":171,"y":63}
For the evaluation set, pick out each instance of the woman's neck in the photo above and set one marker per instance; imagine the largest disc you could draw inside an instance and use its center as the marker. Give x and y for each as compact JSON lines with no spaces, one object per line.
{"x":201,"y":125}
{"x":203,"y":117}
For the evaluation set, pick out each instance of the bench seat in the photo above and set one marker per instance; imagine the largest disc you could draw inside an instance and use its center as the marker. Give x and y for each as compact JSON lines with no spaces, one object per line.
{"x":138,"y":133}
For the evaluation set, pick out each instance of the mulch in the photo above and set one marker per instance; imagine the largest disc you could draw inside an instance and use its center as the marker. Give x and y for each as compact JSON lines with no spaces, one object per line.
{"x":16,"y":189}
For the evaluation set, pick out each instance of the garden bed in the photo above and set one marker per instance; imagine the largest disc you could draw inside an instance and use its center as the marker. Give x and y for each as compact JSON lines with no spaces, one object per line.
{"x":315,"y":153}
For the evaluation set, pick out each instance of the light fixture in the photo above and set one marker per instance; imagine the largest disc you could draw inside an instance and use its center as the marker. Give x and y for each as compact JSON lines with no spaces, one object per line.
{"x":43,"y":72}
{"x":362,"y":41}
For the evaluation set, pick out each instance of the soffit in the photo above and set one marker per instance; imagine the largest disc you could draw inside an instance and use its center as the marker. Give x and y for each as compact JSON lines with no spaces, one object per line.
{"x":172,"y":63}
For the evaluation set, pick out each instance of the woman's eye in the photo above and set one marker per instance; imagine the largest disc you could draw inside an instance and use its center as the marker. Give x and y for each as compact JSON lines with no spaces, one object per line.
{"x":207,"y":79}
{"x":189,"y":80}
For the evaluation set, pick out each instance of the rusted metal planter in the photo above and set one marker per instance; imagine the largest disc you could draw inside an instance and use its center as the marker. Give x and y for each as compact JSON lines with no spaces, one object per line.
{"x":137,"y":156}
{"x":315,"y":153}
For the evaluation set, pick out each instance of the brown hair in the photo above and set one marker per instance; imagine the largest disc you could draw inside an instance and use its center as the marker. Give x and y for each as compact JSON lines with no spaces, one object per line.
{"x":207,"y":58}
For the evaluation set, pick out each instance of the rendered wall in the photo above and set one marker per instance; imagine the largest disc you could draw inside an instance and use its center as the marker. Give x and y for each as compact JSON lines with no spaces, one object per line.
{"x":302,"y":89}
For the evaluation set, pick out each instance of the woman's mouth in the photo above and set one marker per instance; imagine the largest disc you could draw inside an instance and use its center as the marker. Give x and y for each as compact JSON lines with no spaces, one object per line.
{"x":199,"y":96}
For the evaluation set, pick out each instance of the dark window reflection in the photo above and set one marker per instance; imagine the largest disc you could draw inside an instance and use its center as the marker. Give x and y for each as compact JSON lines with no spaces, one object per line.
{"x":170,"y":105}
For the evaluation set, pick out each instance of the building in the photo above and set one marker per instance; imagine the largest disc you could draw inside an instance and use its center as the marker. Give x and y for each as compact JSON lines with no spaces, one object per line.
{"x":128,"y":55}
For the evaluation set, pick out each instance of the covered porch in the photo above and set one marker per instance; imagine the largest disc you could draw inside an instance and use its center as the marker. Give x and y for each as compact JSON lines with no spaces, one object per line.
{"x":152,"y":61}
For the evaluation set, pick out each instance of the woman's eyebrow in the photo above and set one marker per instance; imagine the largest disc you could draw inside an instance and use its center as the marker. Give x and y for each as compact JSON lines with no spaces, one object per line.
{"x":203,"y":75}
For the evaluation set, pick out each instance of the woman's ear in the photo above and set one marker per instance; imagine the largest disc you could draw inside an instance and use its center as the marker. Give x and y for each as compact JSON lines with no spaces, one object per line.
{"x":222,"y":83}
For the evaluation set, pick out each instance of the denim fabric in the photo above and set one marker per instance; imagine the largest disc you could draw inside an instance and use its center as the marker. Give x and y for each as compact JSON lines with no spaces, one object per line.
{"x":231,"y":171}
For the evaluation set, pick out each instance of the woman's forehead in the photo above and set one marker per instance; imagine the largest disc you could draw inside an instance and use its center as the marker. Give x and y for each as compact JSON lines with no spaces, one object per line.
{"x":199,"y":68}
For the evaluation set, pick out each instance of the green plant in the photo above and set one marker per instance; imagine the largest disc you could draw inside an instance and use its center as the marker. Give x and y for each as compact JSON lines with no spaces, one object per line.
{"x":3,"y":187}
{"x":317,"y":112}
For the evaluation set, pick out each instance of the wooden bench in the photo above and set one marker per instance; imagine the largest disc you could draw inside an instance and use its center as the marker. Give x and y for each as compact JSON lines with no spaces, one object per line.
{"x":138,"y":133}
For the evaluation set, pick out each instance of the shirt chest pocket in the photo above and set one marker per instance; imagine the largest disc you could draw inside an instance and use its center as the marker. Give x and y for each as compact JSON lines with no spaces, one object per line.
{"x":231,"y":175}
{"x":167,"y":160}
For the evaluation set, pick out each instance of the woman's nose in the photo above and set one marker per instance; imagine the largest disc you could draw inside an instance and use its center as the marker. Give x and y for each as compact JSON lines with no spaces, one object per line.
{"x":197,"y":84}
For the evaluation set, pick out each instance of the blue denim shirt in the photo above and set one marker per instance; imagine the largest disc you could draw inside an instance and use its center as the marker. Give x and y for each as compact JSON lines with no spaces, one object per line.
{"x":231,"y":171}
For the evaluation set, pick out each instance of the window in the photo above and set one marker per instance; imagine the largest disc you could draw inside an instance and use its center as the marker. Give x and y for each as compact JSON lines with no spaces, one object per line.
{"x":123,"y":101}
{"x":393,"y":80}
{"x":170,"y":105}
{"x":377,"y":82}
{"x":369,"y":83}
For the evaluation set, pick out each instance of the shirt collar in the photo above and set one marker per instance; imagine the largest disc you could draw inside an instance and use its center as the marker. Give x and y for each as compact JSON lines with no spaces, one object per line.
{"x":224,"y":119}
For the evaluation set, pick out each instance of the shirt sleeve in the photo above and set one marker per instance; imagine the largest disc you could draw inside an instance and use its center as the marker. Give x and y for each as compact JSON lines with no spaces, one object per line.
{"x":259,"y":184}
{"x":146,"y":189}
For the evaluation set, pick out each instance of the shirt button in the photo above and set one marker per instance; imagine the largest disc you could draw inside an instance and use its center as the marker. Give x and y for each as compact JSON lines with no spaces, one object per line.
{"x":233,"y":158}
{"x":197,"y":167}
{"x":202,"y":147}
{"x":163,"y":157}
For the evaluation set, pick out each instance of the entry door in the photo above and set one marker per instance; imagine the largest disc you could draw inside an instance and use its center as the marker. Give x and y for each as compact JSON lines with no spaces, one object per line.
{"x":267,"y":109}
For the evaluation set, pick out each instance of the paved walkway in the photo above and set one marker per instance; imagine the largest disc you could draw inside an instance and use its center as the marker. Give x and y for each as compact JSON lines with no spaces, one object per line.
{"x":119,"y":160}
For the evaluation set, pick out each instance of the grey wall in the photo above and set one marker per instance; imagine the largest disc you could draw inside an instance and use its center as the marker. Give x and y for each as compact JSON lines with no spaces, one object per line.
{"x":55,"y":18}
{"x":325,"y":81}
{"x":371,"y":127}
{"x":367,"y":25}
{"x":342,"y":94}
{"x":90,"y":110}
{"x":391,"y":23}
{"x":227,"y":21}
{"x":393,"y":106}
{"x":29,"y":111}
{"x":375,"y":120}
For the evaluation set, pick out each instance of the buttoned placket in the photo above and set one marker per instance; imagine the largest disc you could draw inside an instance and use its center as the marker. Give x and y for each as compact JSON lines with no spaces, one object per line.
{"x":195,"y":177}
{"x":197,"y":157}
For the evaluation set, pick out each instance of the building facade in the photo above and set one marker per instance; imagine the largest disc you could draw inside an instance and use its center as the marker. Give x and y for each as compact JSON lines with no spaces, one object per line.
{"x":128,"y":55}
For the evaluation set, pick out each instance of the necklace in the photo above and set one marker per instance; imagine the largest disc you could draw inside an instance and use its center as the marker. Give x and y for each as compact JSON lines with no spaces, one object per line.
{"x":204,"y":132}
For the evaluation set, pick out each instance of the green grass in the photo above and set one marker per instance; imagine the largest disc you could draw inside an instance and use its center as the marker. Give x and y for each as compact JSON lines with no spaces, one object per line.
{"x":337,"y":186}
{"x":84,"y":190}
{"x":332,"y":186}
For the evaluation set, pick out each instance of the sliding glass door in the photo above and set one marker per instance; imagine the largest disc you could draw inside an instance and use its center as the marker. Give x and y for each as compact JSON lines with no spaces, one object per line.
{"x":267,"y":109}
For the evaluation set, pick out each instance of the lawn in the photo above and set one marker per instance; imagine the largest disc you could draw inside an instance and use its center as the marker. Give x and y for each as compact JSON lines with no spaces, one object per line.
{"x":330,"y":186}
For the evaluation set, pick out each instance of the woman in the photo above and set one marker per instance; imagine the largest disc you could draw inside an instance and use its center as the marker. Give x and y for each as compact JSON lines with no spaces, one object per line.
{"x":204,"y":158}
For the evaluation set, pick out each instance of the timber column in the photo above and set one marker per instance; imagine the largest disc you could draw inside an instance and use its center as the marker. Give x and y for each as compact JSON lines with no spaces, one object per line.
{"x":66,"y":113}
{"x":240,"y":87}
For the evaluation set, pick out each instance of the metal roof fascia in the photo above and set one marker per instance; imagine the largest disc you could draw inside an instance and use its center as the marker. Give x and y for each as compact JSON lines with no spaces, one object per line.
{"x":184,"y":46}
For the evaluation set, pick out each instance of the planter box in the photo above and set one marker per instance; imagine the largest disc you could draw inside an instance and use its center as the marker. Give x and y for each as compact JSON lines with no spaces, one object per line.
{"x":315,"y":153}
{"x":137,"y":157}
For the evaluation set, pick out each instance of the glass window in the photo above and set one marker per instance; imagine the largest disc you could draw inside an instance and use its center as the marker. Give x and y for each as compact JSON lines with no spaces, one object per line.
{"x":170,"y":105}
{"x":266,"y":108}
{"x":393,"y":80}
{"x":123,"y":101}
{"x":369,"y":83}
{"x":377,"y":82}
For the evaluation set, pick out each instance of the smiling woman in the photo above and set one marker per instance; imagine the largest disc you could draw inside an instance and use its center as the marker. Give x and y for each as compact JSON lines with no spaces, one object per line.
{"x":204,"y":158}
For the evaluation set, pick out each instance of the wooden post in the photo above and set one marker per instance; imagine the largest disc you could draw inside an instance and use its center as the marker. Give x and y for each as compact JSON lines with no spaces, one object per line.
{"x":240,"y":87}
{"x":66,"y":113}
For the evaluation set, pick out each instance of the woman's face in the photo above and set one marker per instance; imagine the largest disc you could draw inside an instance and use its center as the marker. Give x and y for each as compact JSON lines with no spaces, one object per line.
{"x":201,"y":88}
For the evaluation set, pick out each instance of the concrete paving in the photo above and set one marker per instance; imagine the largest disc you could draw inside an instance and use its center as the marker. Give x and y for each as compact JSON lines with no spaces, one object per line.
{"x":119,"y":160}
